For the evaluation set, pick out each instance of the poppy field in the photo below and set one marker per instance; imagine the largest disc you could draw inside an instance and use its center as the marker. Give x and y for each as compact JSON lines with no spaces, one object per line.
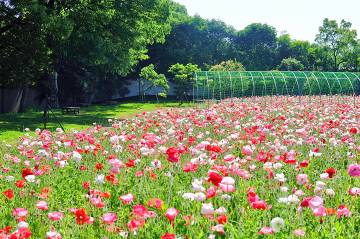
{"x":277,"y":167}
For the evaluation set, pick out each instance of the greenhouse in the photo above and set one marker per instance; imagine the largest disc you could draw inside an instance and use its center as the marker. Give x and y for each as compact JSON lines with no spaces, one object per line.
{"x":222,"y":85}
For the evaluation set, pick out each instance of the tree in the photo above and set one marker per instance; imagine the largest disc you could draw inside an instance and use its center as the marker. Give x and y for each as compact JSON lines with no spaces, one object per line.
{"x":340,"y":41}
{"x":153,"y":80}
{"x":183,"y":79}
{"x":291,"y":64}
{"x":283,"y":48}
{"x":229,"y":65}
{"x":256,"y":45}
{"x":98,"y":38}
{"x":194,"y":40}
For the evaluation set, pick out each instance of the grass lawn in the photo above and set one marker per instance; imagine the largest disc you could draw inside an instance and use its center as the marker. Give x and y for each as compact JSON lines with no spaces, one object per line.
{"x":12,"y":125}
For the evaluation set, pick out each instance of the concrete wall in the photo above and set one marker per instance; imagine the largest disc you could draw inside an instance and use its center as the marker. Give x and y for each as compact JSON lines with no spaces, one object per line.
{"x":15,"y":100}
{"x":18,"y":99}
{"x":133,"y":88}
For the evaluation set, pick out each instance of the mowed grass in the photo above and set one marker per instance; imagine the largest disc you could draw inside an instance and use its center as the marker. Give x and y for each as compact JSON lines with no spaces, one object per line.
{"x":12,"y":125}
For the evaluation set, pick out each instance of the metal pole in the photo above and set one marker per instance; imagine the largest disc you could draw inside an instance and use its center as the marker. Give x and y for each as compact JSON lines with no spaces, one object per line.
{"x":307,"y":80}
{"x":299,"y":92}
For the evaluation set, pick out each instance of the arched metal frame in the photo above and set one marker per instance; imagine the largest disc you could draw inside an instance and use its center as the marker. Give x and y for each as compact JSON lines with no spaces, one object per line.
{"x":337,"y":79}
{"x":253,"y":83}
{"x":283,"y":77}
{"x":327,"y":81}
{"x":229,"y":84}
{"x":308,"y":82}
{"x":274,"y":82}
{"x":262,"y":75}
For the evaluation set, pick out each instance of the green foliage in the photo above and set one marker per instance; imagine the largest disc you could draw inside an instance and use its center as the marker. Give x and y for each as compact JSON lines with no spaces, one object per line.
{"x":229,"y":65}
{"x":340,"y":43}
{"x":93,"y":44}
{"x":100,"y":38}
{"x":183,"y":78}
{"x":154,"y":80}
{"x":257,"y":44}
{"x":303,"y":51}
{"x":291,"y":64}
{"x":194,"y":40}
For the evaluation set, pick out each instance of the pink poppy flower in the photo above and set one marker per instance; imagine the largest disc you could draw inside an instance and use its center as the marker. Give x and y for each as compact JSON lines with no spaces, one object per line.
{"x":266,"y":230}
{"x":171,"y":214}
{"x":227,"y":188}
{"x":20,"y":212}
{"x":343,"y":211}
{"x":42,"y":205}
{"x":315,"y":202}
{"x":53,"y":235}
{"x":354,"y":191}
{"x":135,"y":224}
{"x":140,"y":210}
{"x":302,"y":179}
{"x":319,"y":211}
{"x":127,"y":199}
{"x":97,"y":202}
{"x":155,"y":203}
{"x":354,"y":170}
{"x":218,"y":228}
{"x":246,"y":150}
{"x":211,"y":192}
{"x":55,"y":216}
{"x":299,"y":232}
{"x":109,"y":218}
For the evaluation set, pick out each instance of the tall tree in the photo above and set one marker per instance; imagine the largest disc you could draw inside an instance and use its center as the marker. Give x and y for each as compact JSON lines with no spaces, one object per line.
{"x":340,"y":41}
{"x":103,"y":38}
{"x":193,"y":40}
{"x":257,"y":44}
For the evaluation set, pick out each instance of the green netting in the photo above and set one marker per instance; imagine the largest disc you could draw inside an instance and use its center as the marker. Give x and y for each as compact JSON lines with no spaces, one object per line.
{"x":222,"y":85}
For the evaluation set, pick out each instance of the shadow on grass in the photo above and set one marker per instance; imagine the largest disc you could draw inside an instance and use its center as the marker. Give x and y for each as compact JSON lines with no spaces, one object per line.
{"x":88,"y":115}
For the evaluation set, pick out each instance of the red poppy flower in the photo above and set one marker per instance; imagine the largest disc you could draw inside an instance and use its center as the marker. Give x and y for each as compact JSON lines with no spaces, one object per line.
{"x":9,"y":194}
{"x":26,"y":172}
{"x":81,"y":216}
{"x":190,"y":167}
{"x":304,"y":164}
{"x":173,"y":154}
{"x":222,"y":219}
{"x":215,"y":178}
{"x":353,"y":130}
{"x":168,"y":236}
{"x":86,"y":185}
{"x":331,"y":172}
{"x":20,"y":183}
{"x":155,"y":202}
{"x":99,"y":166}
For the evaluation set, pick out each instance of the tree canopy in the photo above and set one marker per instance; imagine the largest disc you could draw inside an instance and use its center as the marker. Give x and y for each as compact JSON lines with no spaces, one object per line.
{"x":93,"y":45}
{"x":291,"y":64}
{"x":341,"y":44}
{"x":229,"y":65}
{"x":101,"y":37}
{"x":153,"y":79}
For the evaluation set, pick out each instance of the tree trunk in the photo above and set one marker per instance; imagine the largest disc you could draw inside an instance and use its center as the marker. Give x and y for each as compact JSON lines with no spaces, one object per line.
{"x":335,"y":61}
{"x":23,"y":99}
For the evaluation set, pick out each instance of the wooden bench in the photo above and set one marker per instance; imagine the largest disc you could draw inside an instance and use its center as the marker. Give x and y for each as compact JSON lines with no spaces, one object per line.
{"x":71,"y":110}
